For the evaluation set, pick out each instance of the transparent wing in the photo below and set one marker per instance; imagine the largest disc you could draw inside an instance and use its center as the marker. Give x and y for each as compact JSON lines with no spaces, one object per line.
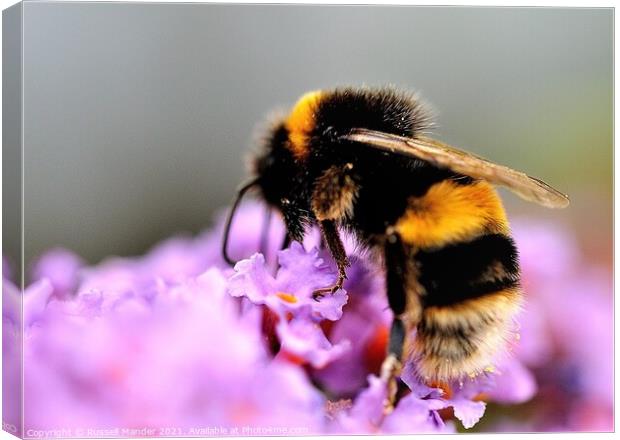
{"x":445,"y":156}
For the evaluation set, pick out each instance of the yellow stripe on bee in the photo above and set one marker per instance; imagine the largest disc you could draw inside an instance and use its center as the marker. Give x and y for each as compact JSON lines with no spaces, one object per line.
{"x":450,"y":213}
{"x":301,"y":122}
{"x":473,"y":313}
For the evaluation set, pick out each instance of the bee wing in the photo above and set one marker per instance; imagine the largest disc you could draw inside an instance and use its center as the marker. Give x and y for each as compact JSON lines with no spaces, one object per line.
{"x":462,"y":162}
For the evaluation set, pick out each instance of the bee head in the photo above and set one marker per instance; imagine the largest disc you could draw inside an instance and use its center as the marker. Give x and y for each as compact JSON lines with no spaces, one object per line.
{"x":275,"y":168}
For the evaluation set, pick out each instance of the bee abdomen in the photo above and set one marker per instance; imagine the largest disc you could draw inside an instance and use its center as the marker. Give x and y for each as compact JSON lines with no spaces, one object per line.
{"x":470,"y":296}
{"x":462,"y":340}
{"x":469,"y":270}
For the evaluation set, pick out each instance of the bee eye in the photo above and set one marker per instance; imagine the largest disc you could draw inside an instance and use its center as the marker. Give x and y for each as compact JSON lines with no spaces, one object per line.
{"x":284,"y":201}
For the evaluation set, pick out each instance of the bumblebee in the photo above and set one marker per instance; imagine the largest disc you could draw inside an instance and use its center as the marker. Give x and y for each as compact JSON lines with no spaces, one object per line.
{"x":358,"y":160}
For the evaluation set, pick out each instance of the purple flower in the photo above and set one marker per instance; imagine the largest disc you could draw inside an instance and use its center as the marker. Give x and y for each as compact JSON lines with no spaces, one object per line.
{"x":177,"y":338}
{"x":370,"y":415}
{"x":61,"y":267}
{"x":289,"y":296}
{"x":306,"y":340}
{"x":365,"y":324}
{"x":461,"y":396}
{"x":11,"y":357}
{"x":34,"y":302}
{"x":512,"y":382}
{"x":186,"y":359}
{"x":290,"y":291}
{"x":414,"y":415}
{"x":11,"y":304}
{"x":566,"y":330}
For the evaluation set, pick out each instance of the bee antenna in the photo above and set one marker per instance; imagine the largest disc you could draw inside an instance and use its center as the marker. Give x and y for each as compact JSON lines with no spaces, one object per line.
{"x":231,"y":214}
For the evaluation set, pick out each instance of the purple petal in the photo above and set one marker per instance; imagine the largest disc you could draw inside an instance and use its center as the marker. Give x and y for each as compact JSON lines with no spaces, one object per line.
{"x":330,"y":306}
{"x":252,"y":280}
{"x":417,"y":387}
{"x":61,"y":267}
{"x":11,"y":303}
{"x":306,"y":339}
{"x":467,"y":411}
{"x":413,"y":415}
{"x":303,"y":272}
{"x":513,"y":383}
{"x":36,"y":297}
{"x":370,"y":404}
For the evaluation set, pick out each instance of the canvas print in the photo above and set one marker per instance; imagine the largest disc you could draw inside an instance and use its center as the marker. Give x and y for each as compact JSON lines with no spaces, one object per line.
{"x":290,"y":220}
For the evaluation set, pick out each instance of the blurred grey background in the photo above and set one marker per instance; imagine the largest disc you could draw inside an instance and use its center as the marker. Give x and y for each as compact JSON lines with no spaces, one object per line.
{"x":137,"y":117}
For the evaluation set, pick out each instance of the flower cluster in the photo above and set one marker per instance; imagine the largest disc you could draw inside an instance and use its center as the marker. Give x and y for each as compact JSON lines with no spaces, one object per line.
{"x":178,"y":340}
{"x":566,"y":332}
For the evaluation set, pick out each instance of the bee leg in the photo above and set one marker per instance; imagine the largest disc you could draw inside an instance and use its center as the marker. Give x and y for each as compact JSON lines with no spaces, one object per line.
{"x":396,"y":273}
{"x":332,"y":200}
{"x":392,"y":365}
{"x":336,"y":248}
